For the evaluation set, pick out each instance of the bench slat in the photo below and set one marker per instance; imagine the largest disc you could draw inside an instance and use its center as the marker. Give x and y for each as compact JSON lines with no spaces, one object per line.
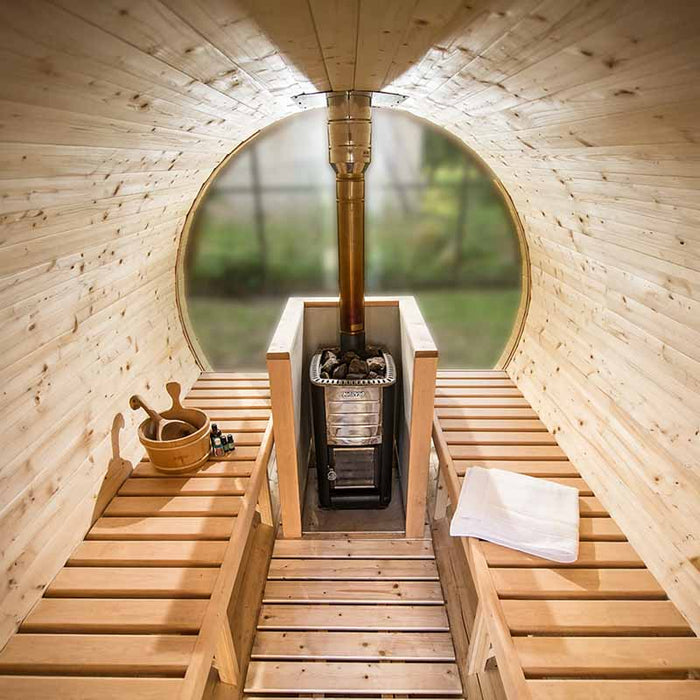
{"x":594,"y":617}
{"x":590,"y":554}
{"x":508,"y":452}
{"x":511,"y":437}
{"x":187,"y":486}
{"x":613,"y":690}
{"x":608,"y":656}
{"x":141,"y":582}
{"x":106,"y":654}
{"x":496,"y":413}
{"x":110,"y":616}
{"x":173,"y":506}
{"x":576,"y":583}
{"x":190,"y":528}
{"x":485,"y":425}
{"x":215,"y":468}
{"x":86,"y":688}
{"x":148,"y":553}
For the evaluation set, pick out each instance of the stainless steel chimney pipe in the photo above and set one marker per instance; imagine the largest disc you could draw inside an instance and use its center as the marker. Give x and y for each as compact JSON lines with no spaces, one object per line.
{"x":350,"y":152}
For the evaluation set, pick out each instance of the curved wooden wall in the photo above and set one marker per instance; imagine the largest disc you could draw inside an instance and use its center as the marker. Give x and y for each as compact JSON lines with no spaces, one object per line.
{"x":114,"y":113}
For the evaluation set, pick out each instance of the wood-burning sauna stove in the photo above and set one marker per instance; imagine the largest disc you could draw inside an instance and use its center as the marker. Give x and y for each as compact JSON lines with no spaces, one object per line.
{"x":353,"y":413}
{"x":353,"y":437}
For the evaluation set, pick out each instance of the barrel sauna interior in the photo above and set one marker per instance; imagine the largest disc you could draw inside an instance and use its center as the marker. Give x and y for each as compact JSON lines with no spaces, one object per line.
{"x":115,"y":114}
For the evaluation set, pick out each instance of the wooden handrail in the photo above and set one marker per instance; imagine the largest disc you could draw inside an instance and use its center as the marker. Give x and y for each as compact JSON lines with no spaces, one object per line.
{"x":215,"y":631}
{"x":509,"y":666}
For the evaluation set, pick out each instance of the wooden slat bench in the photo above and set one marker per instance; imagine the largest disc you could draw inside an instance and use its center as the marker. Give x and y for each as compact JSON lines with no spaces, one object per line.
{"x":599,"y":628}
{"x":140,"y":609}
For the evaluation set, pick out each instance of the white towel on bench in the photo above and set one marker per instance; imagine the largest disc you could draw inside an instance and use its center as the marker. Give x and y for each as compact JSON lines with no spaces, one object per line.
{"x":531,"y":515}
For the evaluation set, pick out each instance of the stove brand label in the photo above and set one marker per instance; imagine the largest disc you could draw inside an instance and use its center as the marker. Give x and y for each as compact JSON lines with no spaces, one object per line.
{"x":354,"y":394}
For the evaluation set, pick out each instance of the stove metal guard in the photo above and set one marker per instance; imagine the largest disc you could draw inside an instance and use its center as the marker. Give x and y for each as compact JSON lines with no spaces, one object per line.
{"x":354,"y":437}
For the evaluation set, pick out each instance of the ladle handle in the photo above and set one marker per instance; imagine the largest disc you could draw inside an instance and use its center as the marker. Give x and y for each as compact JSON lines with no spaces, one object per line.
{"x":174,"y":389}
{"x":137,"y":402}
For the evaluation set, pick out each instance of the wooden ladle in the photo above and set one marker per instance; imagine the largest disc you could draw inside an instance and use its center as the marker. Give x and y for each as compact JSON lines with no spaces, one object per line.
{"x":163,"y":428}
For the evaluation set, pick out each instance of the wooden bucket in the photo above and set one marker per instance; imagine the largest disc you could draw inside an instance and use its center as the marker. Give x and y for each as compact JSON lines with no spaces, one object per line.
{"x":183,"y":454}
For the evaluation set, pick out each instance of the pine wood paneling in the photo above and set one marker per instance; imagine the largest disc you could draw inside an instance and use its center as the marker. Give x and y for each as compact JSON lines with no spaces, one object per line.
{"x":113,"y":115}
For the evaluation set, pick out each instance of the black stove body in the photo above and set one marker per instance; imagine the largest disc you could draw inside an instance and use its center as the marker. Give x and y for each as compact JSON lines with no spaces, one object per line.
{"x":354,"y":437}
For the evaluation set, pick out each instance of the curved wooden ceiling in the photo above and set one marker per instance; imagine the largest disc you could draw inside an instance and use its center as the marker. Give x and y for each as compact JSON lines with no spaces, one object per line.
{"x":114,"y":113}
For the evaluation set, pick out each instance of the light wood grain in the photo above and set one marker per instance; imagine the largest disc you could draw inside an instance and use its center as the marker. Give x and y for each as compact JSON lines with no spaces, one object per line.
{"x":425,"y":618}
{"x":355,"y":646}
{"x":102,"y":654}
{"x":399,"y":678}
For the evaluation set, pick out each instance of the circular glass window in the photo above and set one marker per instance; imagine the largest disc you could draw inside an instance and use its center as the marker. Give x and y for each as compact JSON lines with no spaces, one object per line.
{"x":437,"y":227}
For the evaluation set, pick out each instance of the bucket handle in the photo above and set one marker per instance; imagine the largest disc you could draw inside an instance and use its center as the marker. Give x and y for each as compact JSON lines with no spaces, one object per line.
{"x":174,"y":389}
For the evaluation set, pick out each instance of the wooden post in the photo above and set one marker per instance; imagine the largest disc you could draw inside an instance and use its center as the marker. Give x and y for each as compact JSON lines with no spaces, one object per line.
{"x":226,"y":657}
{"x":420,"y":358}
{"x":265,"y":502}
{"x":422,"y":400}
{"x":284,"y":359}
{"x":479,"y":645}
{"x":441,"y":497}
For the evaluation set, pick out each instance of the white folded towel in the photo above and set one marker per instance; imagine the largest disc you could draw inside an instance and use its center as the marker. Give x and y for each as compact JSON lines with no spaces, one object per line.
{"x":531,"y":515}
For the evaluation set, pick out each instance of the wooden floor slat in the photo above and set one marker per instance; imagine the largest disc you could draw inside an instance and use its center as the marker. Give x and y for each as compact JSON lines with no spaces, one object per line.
{"x":614,"y":690}
{"x":357,"y":646}
{"x":129,"y":582}
{"x":359,"y":677}
{"x":104,"y":654}
{"x":87,"y":688}
{"x":187,"y":528}
{"x":110,"y":616}
{"x":404,"y":592}
{"x":427,"y":618}
{"x":353,"y":569}
{"x":173,"y":506}
{"x":148,"y":553}
{"x":608,"y":656}
{"x":594,"y":617}
{"x":353,"y":549}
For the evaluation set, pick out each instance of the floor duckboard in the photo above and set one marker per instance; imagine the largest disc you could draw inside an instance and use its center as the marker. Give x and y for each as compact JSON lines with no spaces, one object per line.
{"x":354,"y":616}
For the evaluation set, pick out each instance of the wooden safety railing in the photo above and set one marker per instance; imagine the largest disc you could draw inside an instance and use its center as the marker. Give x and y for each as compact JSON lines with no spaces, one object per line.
{"x":215,"y":643}
{"x":490,"y":628}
